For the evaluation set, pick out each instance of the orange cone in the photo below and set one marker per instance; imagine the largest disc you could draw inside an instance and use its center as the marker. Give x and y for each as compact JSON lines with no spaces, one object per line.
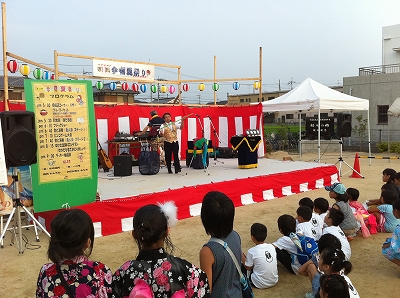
{"x":356,"y":168}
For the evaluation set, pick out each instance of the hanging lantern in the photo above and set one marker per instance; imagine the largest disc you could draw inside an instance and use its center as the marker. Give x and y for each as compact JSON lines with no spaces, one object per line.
{"x":12,"y":66}
{"x":125,"y":86}
{"x":135,"y":87}
{"x":256,"y":85}
{"x":53,"y":76}
{"x":37,"y":73}
{"x":143,"y":88}
{"x":163,"y":88}
{"x":154,"y":88}
{"x":24,"y":69}
{"x":46,"y":75}
{"x":99,"y":85}
{"x":201,"y":86}
{"x":171,"y":89}
{"x":113,"y":86}
{"x":215,"y":86}
{"x":185,"y":87}
{"x":236,"y":86}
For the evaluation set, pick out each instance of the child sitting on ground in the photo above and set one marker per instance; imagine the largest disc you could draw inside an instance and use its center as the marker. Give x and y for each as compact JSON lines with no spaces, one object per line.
{"x":397,"y":180}
{"x":332,"y":261}
{"x":388,"y":176}
{"x":316,"y":221}
{"x":349,"y":226}
{"x":321,"y":206}
{"x":310,"y":267}
{"x":261,"y":259}
{"x":304,"y":226}
{"x":391,"y":248}
{"x":360,"y":212}
{"x":333,"y":285}
{"x":384,"y":212}
{"x":284,"y":246}
{"x":333,"y":219}
{"x":353,"y":195}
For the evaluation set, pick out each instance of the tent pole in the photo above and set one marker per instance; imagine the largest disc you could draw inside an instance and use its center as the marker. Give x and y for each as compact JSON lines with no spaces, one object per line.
{"x":300,"y":134}
{"x":319,"y":134}
{"x":369,"y":139}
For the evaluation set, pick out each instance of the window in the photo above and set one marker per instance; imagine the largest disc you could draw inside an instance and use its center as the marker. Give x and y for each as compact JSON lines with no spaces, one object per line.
{"x":270,"y":97}
{"x":382,"y":114}
{"x":289,"y":116}
{"x":241,"y":100}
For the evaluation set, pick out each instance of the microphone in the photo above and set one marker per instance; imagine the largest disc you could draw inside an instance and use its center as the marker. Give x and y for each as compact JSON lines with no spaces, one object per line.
{"x":209,"y":117}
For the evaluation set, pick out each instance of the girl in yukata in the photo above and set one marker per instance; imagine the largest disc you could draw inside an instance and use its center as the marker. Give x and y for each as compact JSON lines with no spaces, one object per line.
{"x":391,"y":248}
{"x":71,"y":273}
{"x":156,"y":272}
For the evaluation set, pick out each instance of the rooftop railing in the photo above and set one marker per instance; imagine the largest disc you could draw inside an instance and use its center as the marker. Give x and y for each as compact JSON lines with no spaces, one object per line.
{"x":381,"y":69}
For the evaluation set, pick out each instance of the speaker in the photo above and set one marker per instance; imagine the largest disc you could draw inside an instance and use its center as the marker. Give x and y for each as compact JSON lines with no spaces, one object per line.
{"x":122,"y":165}
{"x":19,"y":138}
{"x":343,"y":125}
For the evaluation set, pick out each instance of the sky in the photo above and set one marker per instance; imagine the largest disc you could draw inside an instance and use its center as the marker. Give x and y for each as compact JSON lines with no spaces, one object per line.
{"x":324,"y":40}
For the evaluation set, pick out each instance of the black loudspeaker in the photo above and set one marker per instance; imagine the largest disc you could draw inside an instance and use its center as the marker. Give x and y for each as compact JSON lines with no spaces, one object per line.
{"x":343,"y":125}
{"x":149,"y":162}
{"x":122,"y":165}
{"x":19,"y":138}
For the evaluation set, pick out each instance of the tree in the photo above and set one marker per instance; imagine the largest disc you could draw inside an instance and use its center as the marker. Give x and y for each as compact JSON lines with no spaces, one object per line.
{"x":360,"y":130}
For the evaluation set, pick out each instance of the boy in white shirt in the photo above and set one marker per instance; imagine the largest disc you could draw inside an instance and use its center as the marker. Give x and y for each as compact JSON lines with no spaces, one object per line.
{"x":321,"y":207}
{"x":333,"y":219}
{"x":261,"y":259}
{"x":316,"y":221}
{"x":304,"y":226}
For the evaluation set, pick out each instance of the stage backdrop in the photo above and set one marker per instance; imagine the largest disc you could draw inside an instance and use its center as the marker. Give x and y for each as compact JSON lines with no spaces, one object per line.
{"x":66,"y":168}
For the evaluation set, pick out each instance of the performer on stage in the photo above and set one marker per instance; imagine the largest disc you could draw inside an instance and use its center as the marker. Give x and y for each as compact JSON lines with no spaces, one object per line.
{"x":171,"y":144}
{"x":154,"y":125}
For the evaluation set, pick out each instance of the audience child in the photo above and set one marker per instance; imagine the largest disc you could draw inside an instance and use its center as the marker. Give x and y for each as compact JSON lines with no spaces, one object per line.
{"x":397,"y":180}
{"x":332,"y":261}
{"x":304,"y":226}
{"x":333,"y":219}
{"x":217,"y":215}
{"x":391,"y":247}
{"x":310,"y":267}
{"x":71,"y":274}
{"x":353,"y":195}
{"x":321,"y":206}
{"x":285,"y":248}
{"x":349,"y":226}
{"x":333,"y":286}
{"x":387,"y":222}
{"x":261,"y":259}
{"x":388,"y":176}
{"x":156,"y":272}
{"x":316,"y":221}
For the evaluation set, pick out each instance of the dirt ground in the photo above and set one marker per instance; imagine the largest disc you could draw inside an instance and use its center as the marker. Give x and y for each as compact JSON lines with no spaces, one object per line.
{"x":372,"y":274}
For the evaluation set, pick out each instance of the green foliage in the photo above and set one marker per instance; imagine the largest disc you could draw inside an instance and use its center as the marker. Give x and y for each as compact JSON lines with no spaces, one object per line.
{"x":360,"y":129}
{"x":394,"y":147}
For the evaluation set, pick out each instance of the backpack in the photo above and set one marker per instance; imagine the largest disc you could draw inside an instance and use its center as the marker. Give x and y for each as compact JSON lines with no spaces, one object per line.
{"x":306,"y":247}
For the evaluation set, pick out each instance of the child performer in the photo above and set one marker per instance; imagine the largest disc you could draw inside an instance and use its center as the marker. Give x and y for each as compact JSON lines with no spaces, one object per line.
{"x":391,"y":248}
{"x":333,"y":286}
{"x":155,"y":272}
{"x":316,"y":221}
{"x":332,"y":261}
{"x":71,"y":273}
{"x":387,"y":222}
{"x":350,"y":226}
{"x":261,"y":259}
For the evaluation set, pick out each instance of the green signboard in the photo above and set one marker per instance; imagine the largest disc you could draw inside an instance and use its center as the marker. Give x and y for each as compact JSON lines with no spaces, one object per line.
{"x":66,"y":170}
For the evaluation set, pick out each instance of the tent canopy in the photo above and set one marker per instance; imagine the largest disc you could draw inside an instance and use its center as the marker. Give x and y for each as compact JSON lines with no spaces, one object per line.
{"x":313,"y":96}
{"x":394,"y":109}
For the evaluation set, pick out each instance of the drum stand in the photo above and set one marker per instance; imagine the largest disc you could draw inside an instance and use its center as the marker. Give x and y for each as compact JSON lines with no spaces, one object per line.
{"x":340,"y":161}
{"x":17,"y":211}
{"x":191,"y":161}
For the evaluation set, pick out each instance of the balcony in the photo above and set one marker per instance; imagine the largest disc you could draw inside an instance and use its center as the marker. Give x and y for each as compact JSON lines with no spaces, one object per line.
{"x":381,"y":69}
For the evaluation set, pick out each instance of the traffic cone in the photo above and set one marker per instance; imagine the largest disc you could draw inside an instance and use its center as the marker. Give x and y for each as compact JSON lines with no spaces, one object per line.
{"x":356,"y":167}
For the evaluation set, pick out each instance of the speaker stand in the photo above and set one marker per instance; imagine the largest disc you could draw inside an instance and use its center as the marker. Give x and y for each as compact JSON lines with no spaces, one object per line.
{"x":17,"y":209}
{"x":340,"y":161}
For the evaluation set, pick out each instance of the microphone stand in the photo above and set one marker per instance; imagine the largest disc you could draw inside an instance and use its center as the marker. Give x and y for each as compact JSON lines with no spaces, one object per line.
{"x":201,"y":125}
{"x":216,"y":138}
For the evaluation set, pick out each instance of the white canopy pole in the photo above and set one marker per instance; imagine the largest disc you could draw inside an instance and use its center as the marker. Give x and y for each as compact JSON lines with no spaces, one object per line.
{"x":319,"y":134}
{"x":300,"y":133}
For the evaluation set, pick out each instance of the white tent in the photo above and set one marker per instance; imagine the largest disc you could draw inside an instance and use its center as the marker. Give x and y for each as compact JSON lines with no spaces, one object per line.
{"x":394,"y":109}
{"x":313,"y":96}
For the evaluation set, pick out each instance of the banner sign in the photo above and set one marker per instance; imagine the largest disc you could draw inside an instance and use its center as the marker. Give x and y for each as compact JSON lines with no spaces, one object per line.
{"x":122,"y":70}
{"x":66,"y":168}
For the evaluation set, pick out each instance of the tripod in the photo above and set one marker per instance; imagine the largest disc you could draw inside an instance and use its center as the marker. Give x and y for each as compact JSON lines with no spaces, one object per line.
{"x":17,"y":209}
{"x":340,"y":161}
{"x":216,"y":138}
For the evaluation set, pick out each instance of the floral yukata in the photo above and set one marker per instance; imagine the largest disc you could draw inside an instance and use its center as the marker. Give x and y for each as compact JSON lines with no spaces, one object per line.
{"x":85,"y":279}
{"x":155,"y":273}
{"x":393,"y":251}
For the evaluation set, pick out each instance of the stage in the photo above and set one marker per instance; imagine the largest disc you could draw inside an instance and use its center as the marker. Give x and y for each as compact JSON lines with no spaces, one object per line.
{"x":121,"y":196}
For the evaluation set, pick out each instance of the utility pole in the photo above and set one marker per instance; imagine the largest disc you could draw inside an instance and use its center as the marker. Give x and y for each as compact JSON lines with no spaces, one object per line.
{"x":198,"y":96}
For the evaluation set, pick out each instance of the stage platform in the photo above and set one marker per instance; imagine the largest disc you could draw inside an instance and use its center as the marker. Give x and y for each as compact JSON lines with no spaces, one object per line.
{"x":122,"y":196}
